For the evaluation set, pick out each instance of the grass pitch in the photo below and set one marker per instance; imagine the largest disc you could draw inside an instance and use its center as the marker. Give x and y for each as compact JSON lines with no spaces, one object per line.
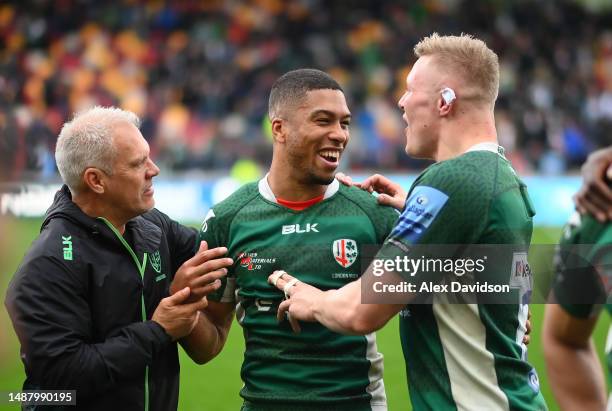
{"x":215,"y":386}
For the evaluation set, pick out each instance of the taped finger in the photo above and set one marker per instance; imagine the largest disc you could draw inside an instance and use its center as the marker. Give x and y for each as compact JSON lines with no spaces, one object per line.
{"x":275,"y":276}
{"x":288,"y":286}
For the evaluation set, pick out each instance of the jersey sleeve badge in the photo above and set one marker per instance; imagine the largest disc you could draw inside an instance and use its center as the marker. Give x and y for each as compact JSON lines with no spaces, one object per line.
{"x":422,"y":207}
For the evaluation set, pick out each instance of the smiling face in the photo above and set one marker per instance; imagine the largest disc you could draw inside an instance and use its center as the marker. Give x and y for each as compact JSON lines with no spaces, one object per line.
{"x":420,"y":105}
{"x":129,"y":189}
{"x":315,"y":134}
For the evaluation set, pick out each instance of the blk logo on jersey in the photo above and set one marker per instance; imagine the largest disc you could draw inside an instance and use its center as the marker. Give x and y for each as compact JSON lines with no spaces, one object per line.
{"x":297,"y":229}
{"x":345,"y":251}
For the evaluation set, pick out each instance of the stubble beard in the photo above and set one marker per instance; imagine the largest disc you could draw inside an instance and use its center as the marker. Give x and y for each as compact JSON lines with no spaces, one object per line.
{"x":314,"y":179}
{"x":308,"y":175}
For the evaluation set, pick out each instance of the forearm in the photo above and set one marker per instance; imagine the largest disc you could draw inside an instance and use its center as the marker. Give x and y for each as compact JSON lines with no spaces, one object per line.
{"x":342,"y":311}
{"x":575,"y":376}
{"x":206,"y":340}
{"x":338,"y":313}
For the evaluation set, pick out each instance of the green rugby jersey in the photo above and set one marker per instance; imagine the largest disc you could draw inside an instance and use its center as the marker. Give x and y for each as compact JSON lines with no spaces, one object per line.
{"x":581,"y":287}
{"x":468,"y":356}
{"x":317,"y":368}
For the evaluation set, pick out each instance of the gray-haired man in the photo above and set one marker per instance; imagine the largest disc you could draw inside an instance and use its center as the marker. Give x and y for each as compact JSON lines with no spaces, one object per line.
{"x":90,"y":302}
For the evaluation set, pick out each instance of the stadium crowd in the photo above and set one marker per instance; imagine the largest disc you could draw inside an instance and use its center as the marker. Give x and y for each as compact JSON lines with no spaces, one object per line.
{"x":198,"y":74}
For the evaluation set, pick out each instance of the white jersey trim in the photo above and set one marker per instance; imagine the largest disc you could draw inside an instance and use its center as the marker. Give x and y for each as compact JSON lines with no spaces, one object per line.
{"x":266,"y":191}
{"x":376,"y":388}
{"x":471,"y":367}
{"x":229,"y":293}
{"x":486,"y":146}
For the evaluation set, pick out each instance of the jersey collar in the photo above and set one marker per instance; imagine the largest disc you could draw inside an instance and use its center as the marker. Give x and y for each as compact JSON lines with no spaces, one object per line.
{"x":266,"y":191}
{"x":487,"y":146}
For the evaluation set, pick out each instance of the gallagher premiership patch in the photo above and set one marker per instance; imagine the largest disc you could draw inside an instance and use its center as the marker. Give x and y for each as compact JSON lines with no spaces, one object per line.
{"x":422,"y":207}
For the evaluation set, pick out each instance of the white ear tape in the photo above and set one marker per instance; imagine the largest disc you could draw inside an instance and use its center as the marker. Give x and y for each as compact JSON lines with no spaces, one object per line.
{"x":448,"y":94}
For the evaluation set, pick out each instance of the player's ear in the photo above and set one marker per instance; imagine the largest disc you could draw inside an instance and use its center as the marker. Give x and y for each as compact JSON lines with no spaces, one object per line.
{"x":279,"y":130}
{"x":446,"y":100}
{"x":94,"y":178}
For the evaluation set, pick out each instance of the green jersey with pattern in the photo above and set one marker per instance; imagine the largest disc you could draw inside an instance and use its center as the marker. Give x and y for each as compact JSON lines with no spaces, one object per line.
{"x":582,"y":281}
{"x":468,"y":356}
{"x":317,"y":368}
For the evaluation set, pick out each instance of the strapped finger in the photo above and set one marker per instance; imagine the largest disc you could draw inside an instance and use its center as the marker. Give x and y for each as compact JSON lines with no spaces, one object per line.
{"x":288,"y":286}
{"x":276,"y":275}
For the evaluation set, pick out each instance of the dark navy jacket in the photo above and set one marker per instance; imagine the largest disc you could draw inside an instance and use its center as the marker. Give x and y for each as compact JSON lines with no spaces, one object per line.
{"x":81,"y":304}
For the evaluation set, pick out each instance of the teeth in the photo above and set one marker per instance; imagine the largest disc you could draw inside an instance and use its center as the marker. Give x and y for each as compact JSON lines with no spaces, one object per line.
{"x":331,"y":154}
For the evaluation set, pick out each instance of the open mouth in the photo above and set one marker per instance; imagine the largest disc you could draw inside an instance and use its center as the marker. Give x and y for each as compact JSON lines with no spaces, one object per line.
{"x":331,"y":156}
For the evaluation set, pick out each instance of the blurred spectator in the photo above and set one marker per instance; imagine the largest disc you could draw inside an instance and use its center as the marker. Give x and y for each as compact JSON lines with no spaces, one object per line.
{"x":198,"y":74}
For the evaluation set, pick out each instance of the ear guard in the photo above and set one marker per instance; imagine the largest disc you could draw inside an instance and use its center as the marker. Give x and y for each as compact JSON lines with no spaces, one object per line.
{"x":448,"y":94}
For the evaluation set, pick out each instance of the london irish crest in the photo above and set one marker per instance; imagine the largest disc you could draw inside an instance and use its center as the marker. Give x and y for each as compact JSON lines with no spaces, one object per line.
{"x":345,"y":252}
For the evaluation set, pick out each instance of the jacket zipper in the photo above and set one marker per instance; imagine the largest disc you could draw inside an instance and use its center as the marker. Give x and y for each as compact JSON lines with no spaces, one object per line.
{"x":141,"y":270}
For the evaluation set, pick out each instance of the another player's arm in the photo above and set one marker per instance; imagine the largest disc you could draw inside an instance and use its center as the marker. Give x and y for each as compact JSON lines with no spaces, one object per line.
{"x":339,"y":310}
{"x":575,"y":374}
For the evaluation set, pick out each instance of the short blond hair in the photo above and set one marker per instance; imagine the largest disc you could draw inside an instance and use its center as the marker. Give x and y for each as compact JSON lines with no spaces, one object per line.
{"x":467,"y":56}
{"x":86,"y":141}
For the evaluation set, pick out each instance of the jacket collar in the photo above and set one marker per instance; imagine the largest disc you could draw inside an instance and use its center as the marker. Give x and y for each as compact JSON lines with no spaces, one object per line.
{"x":145,"y":234}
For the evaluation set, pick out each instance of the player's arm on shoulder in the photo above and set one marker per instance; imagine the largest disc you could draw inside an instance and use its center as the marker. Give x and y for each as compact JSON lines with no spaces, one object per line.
{"x":573,"y":368}
{"x":390,"y":193}
{"x":209,"y":335}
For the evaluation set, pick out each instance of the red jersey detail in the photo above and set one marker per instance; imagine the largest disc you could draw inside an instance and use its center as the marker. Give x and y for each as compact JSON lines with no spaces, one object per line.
{"x":299,"y":205}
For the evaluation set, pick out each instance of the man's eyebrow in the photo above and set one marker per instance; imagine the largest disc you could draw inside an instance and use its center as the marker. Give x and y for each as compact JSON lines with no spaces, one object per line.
{"x":138,"y":160}
{"x":328,"y":113}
